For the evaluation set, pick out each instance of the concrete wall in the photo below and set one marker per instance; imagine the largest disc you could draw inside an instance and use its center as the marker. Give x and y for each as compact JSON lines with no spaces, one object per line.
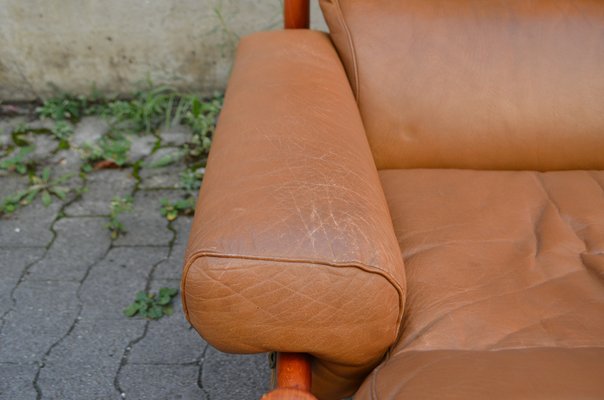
{"x":49,"y":46}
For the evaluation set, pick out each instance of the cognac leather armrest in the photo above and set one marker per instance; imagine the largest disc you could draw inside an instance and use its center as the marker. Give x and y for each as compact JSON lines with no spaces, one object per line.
{"x":292,"y":247}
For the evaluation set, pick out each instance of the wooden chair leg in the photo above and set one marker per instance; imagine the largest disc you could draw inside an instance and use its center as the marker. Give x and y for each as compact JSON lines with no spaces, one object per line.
{"x":293,"y":378}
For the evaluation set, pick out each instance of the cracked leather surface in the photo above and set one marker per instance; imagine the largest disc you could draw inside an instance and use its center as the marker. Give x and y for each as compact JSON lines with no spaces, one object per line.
{"x":476,"y":84}
{"x":292,"y":246}
{"x":505,"y":280}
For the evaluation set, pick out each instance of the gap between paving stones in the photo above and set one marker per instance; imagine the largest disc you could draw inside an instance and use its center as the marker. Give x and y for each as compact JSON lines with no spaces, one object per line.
{"x":129,"y":348}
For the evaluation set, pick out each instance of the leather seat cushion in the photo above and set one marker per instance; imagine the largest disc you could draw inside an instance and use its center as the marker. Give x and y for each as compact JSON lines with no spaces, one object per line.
{"x":505,"y":282}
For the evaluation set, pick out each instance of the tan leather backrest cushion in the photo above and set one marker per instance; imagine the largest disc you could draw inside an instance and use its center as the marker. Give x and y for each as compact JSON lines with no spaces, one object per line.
{"x":474,"y":83}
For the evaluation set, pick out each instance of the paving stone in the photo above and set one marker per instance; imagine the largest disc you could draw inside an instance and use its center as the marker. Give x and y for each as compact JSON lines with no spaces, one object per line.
{"x":98,"y":339}
{"x":77,"y":381}
{"x":172,"y":267}
{"x":39,"y":124}
{"x":156,"y":284}
{"x":66,"y":162}
{"x":182,"y":226}
{"x":112,"y":283}
{"x":145,"y":225}
{"x":14,"y":260}
{"x":12,"y":264}
{"x":5,"y":137}
{"x":6,"y":154}
{"x":140,"y":146}
{"x":159,"y":382}
{"x":102,"y":186}
{"x":178,"y":251}
{"x":16,"y":381}
{"x":231,"y":377}
{"x":7,"y":125}
{"x":6,"y":286}
{"x":80,"y":242}
{"x":161,"y":178}
{"x":43,"y":314}
{"x":88,"y":130}
{"x":12,"y":183}
{"x":29,"y":226}
{"x":44,"y":144}
{"x":164,"y":155}
{"x":170,"y":340}
{"x":59,"y":166}
{"x":74,"y":181}
{"x":175,"y":135}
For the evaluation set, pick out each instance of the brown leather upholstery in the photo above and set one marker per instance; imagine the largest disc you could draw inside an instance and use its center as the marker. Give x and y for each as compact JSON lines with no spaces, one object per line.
{"x":500,"y":259}
{"x":476,"y":84}
{"x":505,"y":280}
{"x":292,"y":247}
{"x":534,"y":373}
{"x":495,"y":288}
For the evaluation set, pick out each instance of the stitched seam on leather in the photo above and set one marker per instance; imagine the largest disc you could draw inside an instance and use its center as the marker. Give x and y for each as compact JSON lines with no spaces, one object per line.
{"x":183,"y":285}
{"x":355,"y":71}
{"x":362,"y":266}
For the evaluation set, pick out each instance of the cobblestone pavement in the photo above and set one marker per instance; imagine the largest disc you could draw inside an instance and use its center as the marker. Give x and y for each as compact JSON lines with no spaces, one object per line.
{"x":64,"y":283}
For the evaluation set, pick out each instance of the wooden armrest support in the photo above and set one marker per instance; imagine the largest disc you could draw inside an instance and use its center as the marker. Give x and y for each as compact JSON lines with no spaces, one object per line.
{"x":293,"y":378}
{"x":296,"y":14}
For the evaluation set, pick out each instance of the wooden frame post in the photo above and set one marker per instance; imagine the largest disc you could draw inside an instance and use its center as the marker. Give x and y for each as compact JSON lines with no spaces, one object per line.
{"x":296,"y":14}
{"x":293,"y":378}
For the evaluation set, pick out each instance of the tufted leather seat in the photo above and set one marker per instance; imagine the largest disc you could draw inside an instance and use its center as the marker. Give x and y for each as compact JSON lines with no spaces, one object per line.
{"x":504,"y":278}
{"x":415,"y":199}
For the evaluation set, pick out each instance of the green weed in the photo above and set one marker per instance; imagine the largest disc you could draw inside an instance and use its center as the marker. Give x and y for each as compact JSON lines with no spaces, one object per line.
{"x":152,"y":306}
{"x":190,"y":179}
{"x":18,"y":135}
{"x":201,"y":117}
{"x":62,"y":130}
{"x":167,"y":159}
{"x":63,"y":108}
{"x":41,"y":185}
{"x":171,"y":210}
{"x":18,"y":161}
{"x":144,"y":113}
{"x":112,"y":148}
{"x":159,"y":106}
{"x":119,"y":205}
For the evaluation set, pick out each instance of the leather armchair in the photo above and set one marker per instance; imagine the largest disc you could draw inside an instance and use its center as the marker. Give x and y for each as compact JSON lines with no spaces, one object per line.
{"x":414,"y":200}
